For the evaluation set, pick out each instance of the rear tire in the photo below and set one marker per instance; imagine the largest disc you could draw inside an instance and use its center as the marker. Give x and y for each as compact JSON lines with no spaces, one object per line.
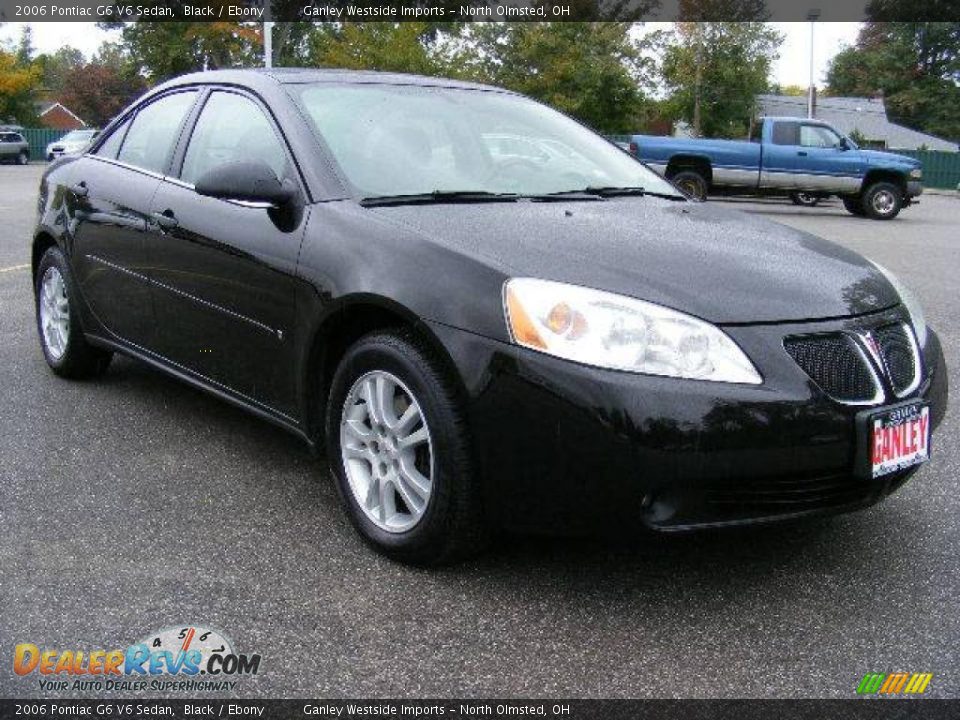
{"x":692,"y":183}
{"x":882,"y":201}
{"x":804,"y":199}
{"x":64,"y":346}
{"x":23,"y":158}
{"x":854,"y":206}
{"x":417,"y":503}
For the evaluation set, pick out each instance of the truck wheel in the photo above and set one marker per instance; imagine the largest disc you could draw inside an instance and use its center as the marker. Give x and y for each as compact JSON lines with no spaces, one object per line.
{"x":854,"y":206}
{"x":804,"y":199}
{"x":882,"y":201}
{"x":692,"y":183}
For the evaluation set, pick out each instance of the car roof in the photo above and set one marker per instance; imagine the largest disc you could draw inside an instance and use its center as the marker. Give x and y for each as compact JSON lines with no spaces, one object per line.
{"x":793,"y":118}
{"x":255,"y":78}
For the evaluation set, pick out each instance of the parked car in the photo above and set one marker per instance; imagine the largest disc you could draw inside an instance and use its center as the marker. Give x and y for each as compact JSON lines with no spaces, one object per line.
{"x":14,"y":148}
{"x":806,"y":159}
{"x":477,"y":346}
{"x":73,"y":143}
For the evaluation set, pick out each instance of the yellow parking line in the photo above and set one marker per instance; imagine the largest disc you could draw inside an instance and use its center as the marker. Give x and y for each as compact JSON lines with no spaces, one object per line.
{"x":14,"y":267}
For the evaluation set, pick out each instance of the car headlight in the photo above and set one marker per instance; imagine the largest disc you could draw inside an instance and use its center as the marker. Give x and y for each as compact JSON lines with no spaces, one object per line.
{"x":620,"y":333}
{"x":910,"y":302}
{"x":916,"y":173}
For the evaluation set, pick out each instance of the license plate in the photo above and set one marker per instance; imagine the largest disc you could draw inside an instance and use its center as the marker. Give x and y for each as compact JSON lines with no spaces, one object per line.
{"x":898,"y":438}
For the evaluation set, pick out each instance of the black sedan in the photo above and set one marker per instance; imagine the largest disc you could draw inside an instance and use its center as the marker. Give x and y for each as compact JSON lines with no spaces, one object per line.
{"x":489,"y":315}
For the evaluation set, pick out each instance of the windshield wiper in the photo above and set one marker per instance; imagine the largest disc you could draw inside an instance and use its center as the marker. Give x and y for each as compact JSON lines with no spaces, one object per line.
{"x":614,"y":191}
{"x":438,"y":196}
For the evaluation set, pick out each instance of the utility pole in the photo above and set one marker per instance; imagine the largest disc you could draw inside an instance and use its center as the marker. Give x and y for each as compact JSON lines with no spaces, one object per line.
{"x":268,"y":44}
{"x":812,"y":17}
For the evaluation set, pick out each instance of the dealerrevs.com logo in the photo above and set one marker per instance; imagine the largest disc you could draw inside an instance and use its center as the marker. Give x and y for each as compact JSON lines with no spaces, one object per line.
{"x":189,"y":658}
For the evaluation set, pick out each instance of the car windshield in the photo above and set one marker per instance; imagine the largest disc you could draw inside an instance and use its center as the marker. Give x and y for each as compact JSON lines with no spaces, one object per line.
{"x":394,"y":140}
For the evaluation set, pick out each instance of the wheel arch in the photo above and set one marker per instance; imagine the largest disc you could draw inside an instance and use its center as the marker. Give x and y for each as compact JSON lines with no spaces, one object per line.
{"x":353,"y":317}
{"x":884,"y":175}
{"x":698,"y":163}
{"x":42,"y":242}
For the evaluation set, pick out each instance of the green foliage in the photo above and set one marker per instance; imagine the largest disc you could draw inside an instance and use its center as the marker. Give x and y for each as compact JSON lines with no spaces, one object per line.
{"x":916,"y":66}
{"x":713,"y":72}
{"x":166,"y":49}
{"x":19,"y":89}
{"x":858,"y":137}
{"x":55,"y":67}
{"x":593,"y":71}
{"x":409,"y":47}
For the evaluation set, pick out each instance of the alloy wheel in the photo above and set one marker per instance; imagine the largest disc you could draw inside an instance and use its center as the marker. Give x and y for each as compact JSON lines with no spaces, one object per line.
{"x":883,"y":202}
{"x":54,"y":313}
{"x":386,"y":451}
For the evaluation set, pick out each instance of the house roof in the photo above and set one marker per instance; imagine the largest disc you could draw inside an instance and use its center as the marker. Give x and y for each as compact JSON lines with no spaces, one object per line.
{"x":48,"y":106}
{"x":866,"y":115}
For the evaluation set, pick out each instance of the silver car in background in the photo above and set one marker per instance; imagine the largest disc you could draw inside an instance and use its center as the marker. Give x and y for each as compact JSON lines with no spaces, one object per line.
{"x":73,"y":143}
{"x":13,"y":148}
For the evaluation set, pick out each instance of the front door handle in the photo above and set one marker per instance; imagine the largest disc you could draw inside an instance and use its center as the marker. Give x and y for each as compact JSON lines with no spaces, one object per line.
{"x":80,"y":189}
{"x":166,"y":219}
{"x":802,"y":153}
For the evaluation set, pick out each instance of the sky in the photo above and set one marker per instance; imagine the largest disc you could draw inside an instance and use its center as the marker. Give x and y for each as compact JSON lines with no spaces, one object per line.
{"x":793,"y":67}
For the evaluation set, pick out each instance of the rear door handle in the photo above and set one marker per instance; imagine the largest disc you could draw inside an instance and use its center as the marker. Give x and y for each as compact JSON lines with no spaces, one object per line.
{"x":802,"y":153}
{"x":80,"y":189}
{"x":166,"y":219}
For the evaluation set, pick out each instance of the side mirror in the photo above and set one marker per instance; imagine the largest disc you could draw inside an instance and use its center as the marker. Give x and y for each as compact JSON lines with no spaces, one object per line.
{"x":844,"y":145}
{"x":246,"y":181}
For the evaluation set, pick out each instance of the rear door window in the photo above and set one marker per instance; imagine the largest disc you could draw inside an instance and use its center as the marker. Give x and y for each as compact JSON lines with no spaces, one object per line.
{"x":154,"y":131}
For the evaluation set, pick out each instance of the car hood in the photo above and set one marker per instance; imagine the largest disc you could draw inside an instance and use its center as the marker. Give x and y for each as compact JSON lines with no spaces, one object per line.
{"x":718,"y":264}
{"x":878,"y":157}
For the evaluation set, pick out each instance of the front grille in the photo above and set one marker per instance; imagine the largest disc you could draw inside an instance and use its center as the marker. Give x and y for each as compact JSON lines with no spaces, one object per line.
{"x":897,"y":349}
{"x":836,"y":364}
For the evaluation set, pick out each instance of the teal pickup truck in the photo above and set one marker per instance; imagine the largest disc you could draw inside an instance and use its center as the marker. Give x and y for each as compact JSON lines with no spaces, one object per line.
{"x":805,"y":159}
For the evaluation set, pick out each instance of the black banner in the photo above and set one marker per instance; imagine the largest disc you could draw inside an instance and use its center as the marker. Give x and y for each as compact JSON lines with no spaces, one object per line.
{"x":858,"y":709}
{"x":472,"y":10}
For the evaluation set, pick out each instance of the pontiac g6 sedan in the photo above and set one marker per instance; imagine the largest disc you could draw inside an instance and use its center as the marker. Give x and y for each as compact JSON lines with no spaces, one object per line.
{"x":488,"y":315}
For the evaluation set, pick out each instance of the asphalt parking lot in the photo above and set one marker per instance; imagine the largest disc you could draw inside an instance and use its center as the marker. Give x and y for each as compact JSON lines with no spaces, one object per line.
{"x":136,"y":503}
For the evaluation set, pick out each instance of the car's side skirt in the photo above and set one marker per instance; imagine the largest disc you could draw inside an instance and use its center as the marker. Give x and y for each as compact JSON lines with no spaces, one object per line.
{"x":204,"y":383}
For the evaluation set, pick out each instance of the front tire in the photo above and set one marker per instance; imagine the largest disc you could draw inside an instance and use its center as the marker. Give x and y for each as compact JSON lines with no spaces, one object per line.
{"x":882,"y":201}
{"x":399,"y":450}
{"x":64,"y":346}
{"x":691,"y":183}
{"x":23,"y":158}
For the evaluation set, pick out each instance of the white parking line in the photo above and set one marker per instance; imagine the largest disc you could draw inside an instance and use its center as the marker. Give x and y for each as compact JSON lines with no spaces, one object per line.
{"x":14,"y":267}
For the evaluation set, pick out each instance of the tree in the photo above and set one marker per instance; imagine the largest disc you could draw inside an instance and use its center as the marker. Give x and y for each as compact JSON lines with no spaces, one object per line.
{"x":25,"y":49}
{"x":19,"y":85}
{"x":97,"y":92}
{"x":54,"y":68}
{"x":165,"y":49}
{"x":915,"y":65}
{"x":593,"y":71}
{"x":410,"y":47}
{"x":715,"y":70}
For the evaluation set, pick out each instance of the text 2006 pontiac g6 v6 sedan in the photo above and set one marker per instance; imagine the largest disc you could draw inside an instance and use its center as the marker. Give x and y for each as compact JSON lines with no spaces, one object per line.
{"x":491,"y":316}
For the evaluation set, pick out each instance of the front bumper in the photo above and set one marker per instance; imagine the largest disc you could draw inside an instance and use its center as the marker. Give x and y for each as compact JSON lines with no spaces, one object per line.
{"x":563,"y":447}
{"x":914,"y":188}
